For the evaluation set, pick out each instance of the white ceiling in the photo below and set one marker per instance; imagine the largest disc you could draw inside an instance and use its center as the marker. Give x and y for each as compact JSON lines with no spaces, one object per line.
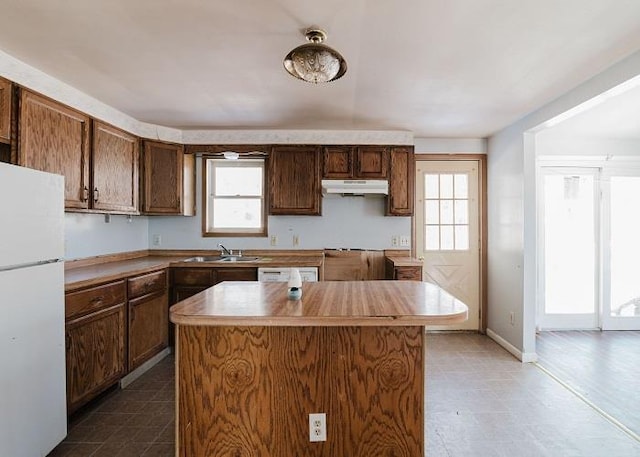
{"x":438,"y":68}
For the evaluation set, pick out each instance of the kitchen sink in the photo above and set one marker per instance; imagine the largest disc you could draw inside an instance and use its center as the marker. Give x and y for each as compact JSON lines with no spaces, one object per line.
{"x":217,"y":258}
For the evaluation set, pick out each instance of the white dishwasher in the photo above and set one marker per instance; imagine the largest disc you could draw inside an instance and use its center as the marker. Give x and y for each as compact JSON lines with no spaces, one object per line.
{"x":281,"y":274}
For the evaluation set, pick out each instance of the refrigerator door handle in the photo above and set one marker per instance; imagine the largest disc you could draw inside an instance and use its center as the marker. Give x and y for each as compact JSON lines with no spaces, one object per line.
{"x":28,"y":265}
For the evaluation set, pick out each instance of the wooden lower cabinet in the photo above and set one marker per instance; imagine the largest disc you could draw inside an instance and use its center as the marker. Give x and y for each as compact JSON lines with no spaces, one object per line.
{"x":95,"y":354}
{"x":148,"y":327}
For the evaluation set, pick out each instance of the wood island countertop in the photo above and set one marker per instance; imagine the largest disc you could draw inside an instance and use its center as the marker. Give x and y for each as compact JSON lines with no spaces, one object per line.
{"x":327,"y":303}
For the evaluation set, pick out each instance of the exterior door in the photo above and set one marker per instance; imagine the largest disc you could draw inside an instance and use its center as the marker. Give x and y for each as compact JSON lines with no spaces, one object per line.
{"x":448,"y":231}
{"x":621,"y":276}
{"x":569,"y":240}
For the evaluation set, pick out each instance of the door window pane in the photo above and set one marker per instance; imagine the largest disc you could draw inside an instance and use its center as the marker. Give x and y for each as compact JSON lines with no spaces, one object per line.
{"x":446,"y":186}
{"x":431,"y":186}
{"x":432,"y":212}
{"x":625,"y":246}
{"x":461,"y":186}
{"x":569,"y":246}
{"x":446,"y":208}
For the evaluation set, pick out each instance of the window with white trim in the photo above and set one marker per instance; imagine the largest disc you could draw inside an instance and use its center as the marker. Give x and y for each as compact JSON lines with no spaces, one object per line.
{"x":235,"y":198}
{"x":446,"y":210}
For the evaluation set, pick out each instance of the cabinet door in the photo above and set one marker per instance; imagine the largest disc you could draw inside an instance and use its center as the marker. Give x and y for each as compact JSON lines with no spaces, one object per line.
{"x":372,"y":162}
{"x":294,"y":180}
{"x":401,"y":182}
{"x":163,"y":178}
{"x":5,"y":111}
{"x":115,"y":169}
{"x":235,"y":274}
{"x":337,"y":162}
{"x":95,"y":354}
{"x":55,"y":138}
{"x":148,"y":327}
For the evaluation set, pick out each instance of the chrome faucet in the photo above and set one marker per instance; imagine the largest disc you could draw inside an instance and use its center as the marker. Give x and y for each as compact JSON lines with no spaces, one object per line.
{"x":225,"y":251}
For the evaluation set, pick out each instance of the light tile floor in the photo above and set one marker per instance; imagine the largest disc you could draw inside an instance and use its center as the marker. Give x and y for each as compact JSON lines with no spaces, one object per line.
{"x":483,"y":402}
{"x":480,"y":402}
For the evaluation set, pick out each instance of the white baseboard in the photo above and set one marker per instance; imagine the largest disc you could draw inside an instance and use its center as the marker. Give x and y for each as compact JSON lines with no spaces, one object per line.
{"x":142,"y":369}
{"x":524,"y":357}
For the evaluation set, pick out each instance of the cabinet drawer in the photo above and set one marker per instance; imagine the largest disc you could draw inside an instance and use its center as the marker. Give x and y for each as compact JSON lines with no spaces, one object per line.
{"x":193,"y":276}
{"x":94,"y":299}
{"x":146,"y":284}
{"x":409,"y":273}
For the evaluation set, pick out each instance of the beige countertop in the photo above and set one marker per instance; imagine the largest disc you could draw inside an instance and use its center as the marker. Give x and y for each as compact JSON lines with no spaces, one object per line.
{"x":405,"y":261}
{"x":77,"y":277}
{"x":328,"y":303}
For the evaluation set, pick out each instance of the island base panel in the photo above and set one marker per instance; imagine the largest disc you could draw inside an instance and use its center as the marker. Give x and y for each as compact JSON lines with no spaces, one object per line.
{"x":248,"y":391}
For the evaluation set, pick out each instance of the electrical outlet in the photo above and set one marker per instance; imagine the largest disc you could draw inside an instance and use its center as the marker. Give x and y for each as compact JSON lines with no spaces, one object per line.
{"x":317,"y":427}
{"x":512,"y":318}
{"x":296,"y":240}
{"x":157,"y":240}
{"x":394,"y":241}
{"x":274,"y":240}
{"x":404,"y":241}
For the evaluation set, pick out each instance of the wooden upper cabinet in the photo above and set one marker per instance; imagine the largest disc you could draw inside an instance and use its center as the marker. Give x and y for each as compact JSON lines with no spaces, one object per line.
{"x":338,"y":162}
{"x":115,"y":169}
{"x":294,"y":180}
{"x":55,"y":138}
{"x":355,"y":162}
{"x":401,"y":181}
{"x":372,"y":162}
{"x":168,"y":179}
{"x":5,"y":110}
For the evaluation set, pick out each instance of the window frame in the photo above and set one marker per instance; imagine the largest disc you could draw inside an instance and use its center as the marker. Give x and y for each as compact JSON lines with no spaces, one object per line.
{"x":206,"y":183}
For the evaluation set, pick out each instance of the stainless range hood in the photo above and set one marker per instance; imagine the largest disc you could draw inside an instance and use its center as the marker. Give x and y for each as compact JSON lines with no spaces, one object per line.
{"x":355,"y":186}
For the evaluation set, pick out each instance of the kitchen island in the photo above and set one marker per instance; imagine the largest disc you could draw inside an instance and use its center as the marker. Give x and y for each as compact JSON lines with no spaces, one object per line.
{"x":252,"y":365}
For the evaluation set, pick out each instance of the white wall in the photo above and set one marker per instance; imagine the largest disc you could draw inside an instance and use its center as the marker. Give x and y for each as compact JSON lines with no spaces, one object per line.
{"x":512,"y":215}
{"x":549,"y":145}
{"x":353,"y":222}
{"x":88,"y":235}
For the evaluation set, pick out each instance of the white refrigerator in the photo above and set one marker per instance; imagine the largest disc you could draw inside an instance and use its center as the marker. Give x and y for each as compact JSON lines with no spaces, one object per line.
{"x":32,"y":342}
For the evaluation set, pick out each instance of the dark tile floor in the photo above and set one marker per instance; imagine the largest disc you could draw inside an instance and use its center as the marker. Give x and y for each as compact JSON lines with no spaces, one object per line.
{"x":134,"y":422}
{"x":480,"y":402}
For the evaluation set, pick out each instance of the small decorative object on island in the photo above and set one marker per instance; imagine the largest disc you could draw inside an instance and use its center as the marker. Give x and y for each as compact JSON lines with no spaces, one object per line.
{"x":294,"y":285}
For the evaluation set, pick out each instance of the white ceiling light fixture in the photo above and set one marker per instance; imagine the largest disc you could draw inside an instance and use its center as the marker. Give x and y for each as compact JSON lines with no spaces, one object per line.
{"x":230,"y":155}
{"x":315,"y":62}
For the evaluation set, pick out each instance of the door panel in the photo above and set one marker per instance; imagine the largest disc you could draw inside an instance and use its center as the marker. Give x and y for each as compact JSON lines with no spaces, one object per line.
{"x":448,"y":231}
{"x":569,"y":254}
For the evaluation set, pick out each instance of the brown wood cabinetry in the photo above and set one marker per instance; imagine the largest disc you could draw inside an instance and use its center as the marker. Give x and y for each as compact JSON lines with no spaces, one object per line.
{"x":148,"y":317}
{"x":95,"y":341}
{"x":360,"y":162}
{"x":403,"y":269}
{"x":55,"y":138}
{"x":401,"y":181}
{"x":372,"y":162}
{"x":168,"y":177}
{"x":115,"y":170}
{"x":6,"y":95}
{"x":189,"y":281}
{"x":337,"y":162}
{"x":294,"y":180}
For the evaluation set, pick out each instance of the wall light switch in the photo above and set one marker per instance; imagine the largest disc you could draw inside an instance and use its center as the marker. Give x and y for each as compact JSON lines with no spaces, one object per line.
{"x":274,"y":240}
{"x":404,"y":241}
{"x":296,"y":240}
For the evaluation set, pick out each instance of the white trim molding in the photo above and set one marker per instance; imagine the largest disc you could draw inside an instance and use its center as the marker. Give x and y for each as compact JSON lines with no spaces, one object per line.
{"x":524,"y":357}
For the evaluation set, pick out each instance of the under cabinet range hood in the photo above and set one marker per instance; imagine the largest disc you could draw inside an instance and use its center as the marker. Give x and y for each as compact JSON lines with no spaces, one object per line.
{"x":355,"y":186}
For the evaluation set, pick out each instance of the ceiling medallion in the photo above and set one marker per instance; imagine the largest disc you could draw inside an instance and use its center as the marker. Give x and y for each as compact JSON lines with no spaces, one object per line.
{"x":315,"y":62}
